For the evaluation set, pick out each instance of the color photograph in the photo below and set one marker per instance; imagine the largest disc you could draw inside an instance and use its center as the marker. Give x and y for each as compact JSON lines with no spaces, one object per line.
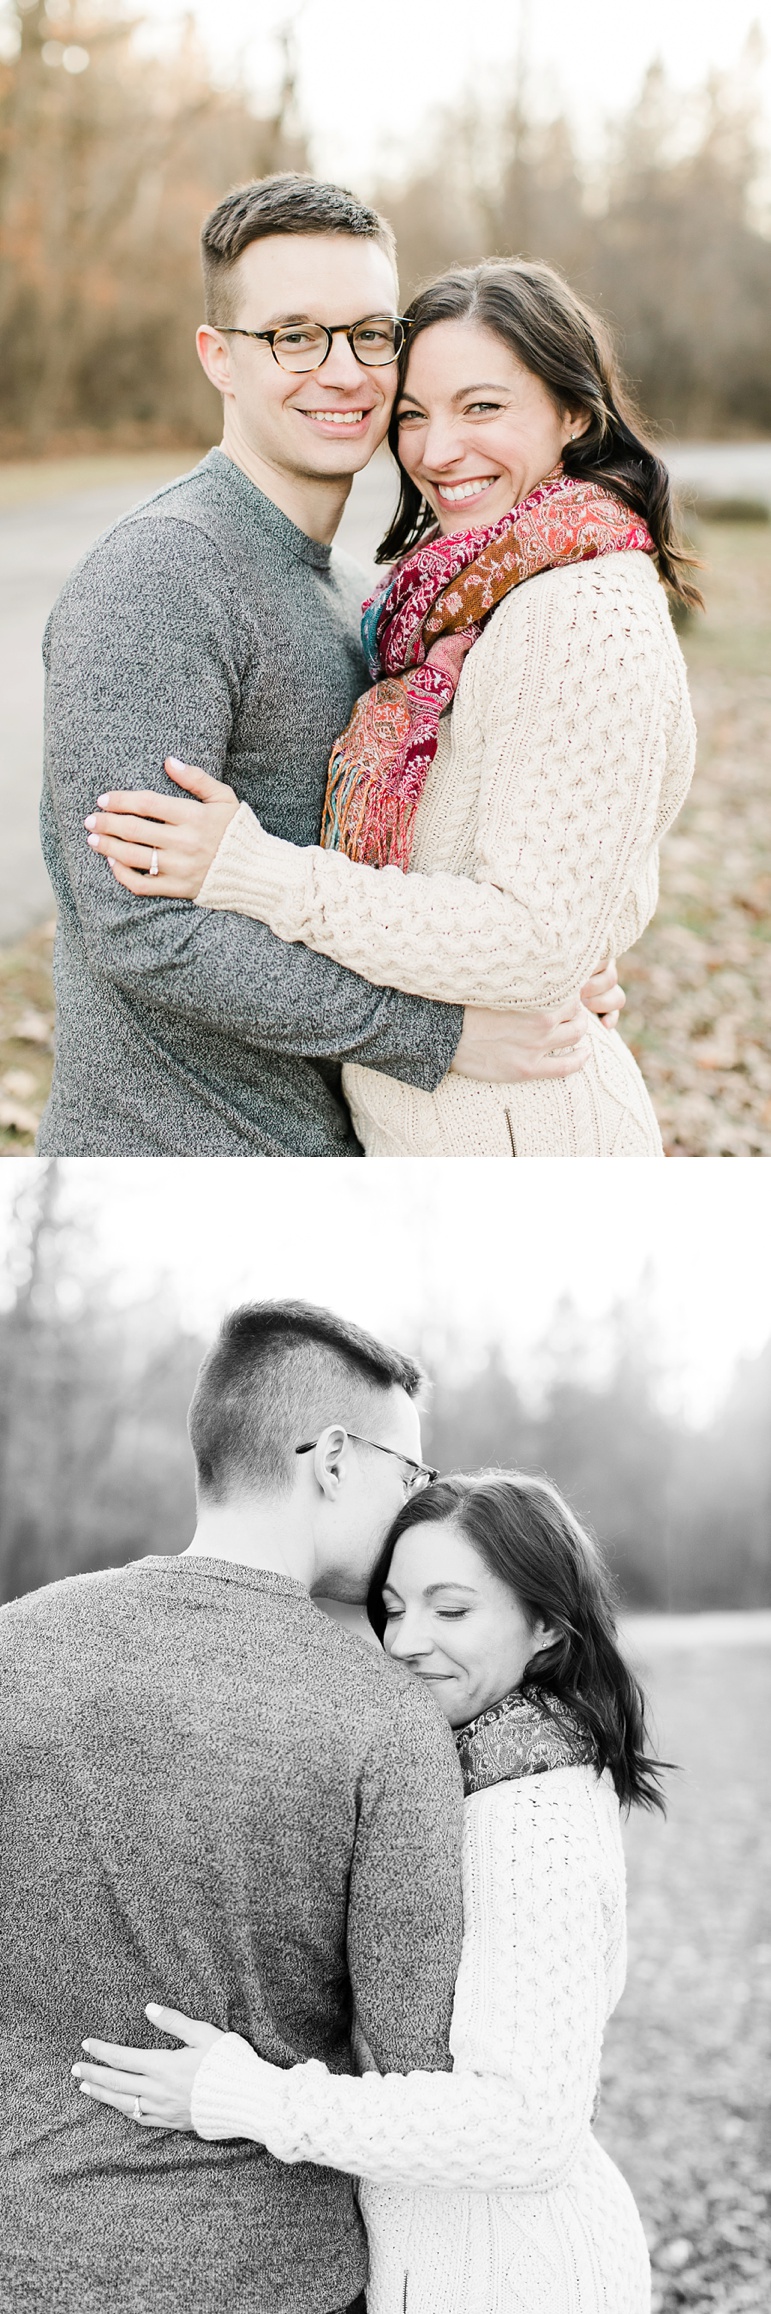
{"x":465,"y":321}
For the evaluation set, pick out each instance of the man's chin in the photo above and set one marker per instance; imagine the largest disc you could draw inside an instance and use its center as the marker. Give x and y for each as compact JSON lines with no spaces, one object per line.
{"x":325,"y":459}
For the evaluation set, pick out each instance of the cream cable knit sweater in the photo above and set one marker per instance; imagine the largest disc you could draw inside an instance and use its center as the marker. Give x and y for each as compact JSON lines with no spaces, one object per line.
{"x":488,"y":2192}
{"x":568,"y":752}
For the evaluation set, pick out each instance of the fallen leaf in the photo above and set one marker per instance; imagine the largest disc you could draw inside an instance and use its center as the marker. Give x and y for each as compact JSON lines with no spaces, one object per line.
{"x":15,"y":1118}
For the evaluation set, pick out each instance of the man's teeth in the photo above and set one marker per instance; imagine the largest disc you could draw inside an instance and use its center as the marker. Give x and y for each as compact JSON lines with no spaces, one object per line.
{"x":463,"y":489}
{"x":338,"y":417}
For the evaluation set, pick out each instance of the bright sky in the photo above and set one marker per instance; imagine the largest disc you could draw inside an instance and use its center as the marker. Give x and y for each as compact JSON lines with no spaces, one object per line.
{"x":470,"y":1246}
{"x":370,"y":77}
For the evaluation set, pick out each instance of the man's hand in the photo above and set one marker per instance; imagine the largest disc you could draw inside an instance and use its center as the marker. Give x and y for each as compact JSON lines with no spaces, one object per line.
{"x":510,"y":1048}
{"x":603,"y":995}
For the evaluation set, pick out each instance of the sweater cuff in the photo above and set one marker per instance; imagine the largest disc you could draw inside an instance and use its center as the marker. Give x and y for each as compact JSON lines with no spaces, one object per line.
{"x":256,"y":874}
{"x":235,"y":2090}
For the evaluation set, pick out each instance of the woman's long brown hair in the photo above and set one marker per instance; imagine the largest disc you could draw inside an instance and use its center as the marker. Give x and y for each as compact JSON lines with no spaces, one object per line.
{"x":562,"y":342}
{"x":532,"y":1541}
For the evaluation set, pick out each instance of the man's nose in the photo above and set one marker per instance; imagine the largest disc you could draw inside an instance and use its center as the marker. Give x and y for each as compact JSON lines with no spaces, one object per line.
{"x":341,"y":367}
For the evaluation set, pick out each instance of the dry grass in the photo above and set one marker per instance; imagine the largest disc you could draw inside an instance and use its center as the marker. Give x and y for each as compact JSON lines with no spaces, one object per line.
{"x":30,"y":481}
{"x":685,"y":2079}
{"x":699,"y":984}
{"x":26,"y":1039}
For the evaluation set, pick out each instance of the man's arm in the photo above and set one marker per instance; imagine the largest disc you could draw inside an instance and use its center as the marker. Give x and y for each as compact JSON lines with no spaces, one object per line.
{"x":143,"y":655}
{"x":405,"y":1916}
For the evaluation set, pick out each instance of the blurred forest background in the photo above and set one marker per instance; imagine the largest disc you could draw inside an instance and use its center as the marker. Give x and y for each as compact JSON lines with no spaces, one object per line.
{"x":95,"y":1467}
{"x":110,"y":156}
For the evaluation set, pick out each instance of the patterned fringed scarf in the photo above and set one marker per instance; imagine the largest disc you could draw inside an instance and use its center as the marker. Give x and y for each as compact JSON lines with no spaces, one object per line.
{"x":416,"y":630}
{"x":526,"y":1734}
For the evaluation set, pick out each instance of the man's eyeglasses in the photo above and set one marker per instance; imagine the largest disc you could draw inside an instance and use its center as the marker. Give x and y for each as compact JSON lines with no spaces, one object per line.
{"x":305,"y":345}
{"x":420,"y":1473}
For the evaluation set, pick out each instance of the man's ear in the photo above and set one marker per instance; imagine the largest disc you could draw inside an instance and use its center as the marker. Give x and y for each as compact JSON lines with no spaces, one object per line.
{"x":214,"y":356}
{"x":329,"y":1459}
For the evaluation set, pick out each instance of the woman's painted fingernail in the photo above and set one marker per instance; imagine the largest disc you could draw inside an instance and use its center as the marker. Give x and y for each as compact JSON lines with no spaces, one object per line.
{"x":91,"y":821}
{"x":76,"y":2069}
{"x":94,"y":842}
{"x":87,"y":2046}
{"x":177,"y":762}
{"x":84,"y":2089}
{"x":153,"y":2009}
{"x":103,"y":801}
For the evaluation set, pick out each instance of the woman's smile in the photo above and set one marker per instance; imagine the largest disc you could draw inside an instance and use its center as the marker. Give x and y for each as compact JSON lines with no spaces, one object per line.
{"x":456,"y":493}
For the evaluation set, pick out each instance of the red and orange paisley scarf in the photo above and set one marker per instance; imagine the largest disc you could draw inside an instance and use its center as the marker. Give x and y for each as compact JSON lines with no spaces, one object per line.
{"x":416,"y":630}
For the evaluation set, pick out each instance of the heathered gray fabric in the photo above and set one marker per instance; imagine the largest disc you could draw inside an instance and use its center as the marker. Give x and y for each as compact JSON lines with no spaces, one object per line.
{"x":205,"y":625}
{"x":213,"y":1797}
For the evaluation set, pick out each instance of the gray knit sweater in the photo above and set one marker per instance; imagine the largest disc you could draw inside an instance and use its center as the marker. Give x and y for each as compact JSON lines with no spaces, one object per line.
{"x":205,"y":625}
{"x":211,"y":1796}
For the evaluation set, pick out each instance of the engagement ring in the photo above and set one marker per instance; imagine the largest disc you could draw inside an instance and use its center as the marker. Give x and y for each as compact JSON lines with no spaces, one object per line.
{"x":137,"y":2109}
{"x":153,"y":862}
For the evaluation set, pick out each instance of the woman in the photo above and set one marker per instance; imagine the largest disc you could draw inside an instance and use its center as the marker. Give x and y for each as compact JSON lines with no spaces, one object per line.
{"x":484,"y":2190}
{"x":526,"y":744}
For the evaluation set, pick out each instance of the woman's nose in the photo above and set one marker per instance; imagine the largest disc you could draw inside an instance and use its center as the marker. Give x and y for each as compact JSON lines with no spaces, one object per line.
{"x":442,"y":446}
{"x":409,"y":1642}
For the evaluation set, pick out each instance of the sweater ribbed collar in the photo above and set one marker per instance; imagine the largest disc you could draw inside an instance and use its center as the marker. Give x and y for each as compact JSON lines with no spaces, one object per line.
{"x":214,"y":1570}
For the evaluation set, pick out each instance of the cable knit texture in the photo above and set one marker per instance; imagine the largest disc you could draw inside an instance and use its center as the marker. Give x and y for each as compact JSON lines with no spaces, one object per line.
{"x":568,"y":752}
{"x":484,"y":2191}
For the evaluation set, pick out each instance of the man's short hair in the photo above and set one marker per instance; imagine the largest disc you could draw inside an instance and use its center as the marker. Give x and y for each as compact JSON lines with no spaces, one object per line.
{"x":276,"y":1375}
{"x":285,"y":204}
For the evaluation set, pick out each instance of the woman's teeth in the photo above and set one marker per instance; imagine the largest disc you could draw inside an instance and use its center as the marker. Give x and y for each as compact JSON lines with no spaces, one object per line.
{"x":451,"y":495}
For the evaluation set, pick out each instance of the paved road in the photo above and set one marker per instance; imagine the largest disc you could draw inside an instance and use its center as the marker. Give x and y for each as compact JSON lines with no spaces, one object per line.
{"x":39,"y":542}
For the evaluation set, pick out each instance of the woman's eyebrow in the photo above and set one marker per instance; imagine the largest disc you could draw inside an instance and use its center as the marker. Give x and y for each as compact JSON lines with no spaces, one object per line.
{"x":487,"y":387}
{"x":449,"y":1585}
{"x":410,"y":401}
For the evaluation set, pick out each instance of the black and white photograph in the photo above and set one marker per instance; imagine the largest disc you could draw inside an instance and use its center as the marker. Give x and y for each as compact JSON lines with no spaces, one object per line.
{"x":386,"y":1726}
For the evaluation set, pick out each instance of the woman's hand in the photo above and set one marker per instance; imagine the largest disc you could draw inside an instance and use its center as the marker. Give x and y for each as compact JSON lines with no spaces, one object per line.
{"x":164,"y":845}
{"x":160,"y":2079}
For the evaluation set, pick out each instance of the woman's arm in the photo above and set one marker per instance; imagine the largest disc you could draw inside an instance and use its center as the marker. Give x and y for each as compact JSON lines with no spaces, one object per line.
{"x":569,"y":796}
{"x":530,"y":2012}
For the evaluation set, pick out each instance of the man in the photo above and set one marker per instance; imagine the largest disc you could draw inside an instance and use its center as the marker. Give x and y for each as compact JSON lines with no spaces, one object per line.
{"x":214,"y":624}
{"x":213,"y":1794}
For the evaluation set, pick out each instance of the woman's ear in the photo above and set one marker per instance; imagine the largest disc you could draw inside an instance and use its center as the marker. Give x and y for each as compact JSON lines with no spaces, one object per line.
{"x":544,"y":1635}
{"x":577,"y":422}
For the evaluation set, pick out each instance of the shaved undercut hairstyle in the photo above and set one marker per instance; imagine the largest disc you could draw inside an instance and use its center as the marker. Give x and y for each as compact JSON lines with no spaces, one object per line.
{"x":286,"y":204}
{"x":277,"y":1374}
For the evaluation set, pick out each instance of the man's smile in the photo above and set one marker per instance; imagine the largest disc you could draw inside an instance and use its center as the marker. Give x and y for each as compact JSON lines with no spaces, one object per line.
{"x":337,"y":418}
